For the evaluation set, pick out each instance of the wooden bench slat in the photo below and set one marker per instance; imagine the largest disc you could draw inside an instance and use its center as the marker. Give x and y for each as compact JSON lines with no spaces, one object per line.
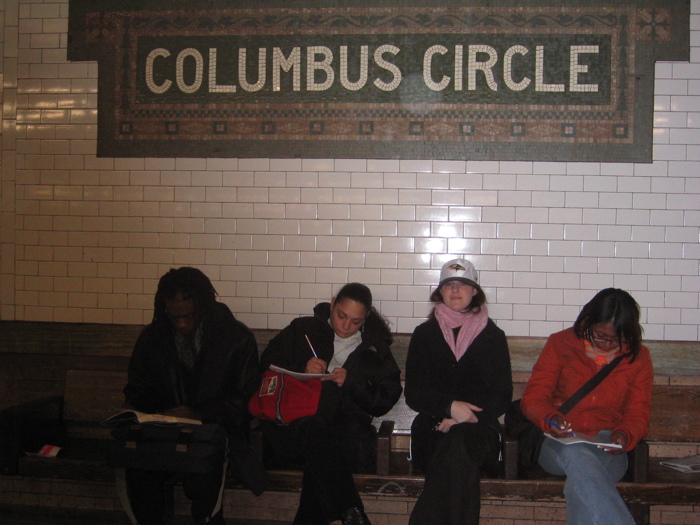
{"x":93,"y":395}
{"x":675,"y":414}
{"x":665,"y":487}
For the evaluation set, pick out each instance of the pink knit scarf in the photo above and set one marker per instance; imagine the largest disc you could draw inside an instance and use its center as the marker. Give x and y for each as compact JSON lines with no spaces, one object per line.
{"x":471,"y":324}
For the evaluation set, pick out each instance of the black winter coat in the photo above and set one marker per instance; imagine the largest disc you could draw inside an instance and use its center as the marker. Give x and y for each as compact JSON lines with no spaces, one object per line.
{"x":226,"y":373}
{"x":372,"y":385}
{"x":434,"y":378}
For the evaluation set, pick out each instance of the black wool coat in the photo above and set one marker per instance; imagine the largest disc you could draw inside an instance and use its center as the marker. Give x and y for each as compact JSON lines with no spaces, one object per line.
{"x":434,"y":377}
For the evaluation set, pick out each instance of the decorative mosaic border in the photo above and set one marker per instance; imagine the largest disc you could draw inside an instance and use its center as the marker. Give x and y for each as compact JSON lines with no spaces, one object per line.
{"x":442,"y":80}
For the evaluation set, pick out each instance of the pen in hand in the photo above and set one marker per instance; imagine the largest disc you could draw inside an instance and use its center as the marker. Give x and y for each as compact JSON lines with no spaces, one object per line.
{"x":325,"y":365}
{"x":311,"y":346}
{"x":571,"y":432}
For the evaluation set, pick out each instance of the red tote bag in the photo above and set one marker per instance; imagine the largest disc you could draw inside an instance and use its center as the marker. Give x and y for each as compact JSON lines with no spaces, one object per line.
{"x":282,"y":398}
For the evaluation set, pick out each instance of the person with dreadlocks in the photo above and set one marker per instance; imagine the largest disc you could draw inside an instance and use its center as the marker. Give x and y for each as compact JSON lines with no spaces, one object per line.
{"x":194,"y":360}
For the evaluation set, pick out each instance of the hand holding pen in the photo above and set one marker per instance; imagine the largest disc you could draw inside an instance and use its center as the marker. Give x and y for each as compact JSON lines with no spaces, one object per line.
{"x":558,"y":427}
{"x":315,"y":365}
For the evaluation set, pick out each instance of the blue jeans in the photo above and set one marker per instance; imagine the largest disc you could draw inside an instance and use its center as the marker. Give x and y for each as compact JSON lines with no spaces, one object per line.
{"x":591,"y":474}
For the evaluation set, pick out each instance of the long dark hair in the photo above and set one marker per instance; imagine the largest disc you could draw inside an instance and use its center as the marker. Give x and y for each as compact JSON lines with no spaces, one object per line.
{"x":192,"y":284}
{"x":617,"y":307}
{"x":360,"y":293}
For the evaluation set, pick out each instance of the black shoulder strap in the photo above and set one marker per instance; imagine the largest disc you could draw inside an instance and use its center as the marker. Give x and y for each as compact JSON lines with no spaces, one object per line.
{"x":590,"y":385}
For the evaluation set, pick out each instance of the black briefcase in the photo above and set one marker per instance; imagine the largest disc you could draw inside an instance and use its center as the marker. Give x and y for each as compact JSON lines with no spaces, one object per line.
{"x":168,"y":447}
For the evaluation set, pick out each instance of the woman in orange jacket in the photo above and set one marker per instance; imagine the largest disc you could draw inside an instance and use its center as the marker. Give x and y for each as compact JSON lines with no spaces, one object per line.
{"x":616,"y":411}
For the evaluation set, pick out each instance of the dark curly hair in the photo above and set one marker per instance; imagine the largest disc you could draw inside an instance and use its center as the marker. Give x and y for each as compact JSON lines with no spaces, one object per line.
{"x":192,"y":284}
{"x":617,"y":307}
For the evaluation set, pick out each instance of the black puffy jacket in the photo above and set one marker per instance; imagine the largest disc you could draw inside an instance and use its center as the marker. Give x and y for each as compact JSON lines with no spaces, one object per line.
{"x":372,"y":385}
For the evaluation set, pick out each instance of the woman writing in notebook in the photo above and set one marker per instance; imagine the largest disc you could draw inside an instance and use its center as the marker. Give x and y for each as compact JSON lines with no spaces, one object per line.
{"x":348,"y":340}
{"x":616,"y":411}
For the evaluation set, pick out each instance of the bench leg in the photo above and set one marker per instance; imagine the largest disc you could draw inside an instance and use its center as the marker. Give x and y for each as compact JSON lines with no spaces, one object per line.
{"x":510,"y":451}
{"x":386,"y":430}
{"x":640,"y":513}
{"x":639,"y":462}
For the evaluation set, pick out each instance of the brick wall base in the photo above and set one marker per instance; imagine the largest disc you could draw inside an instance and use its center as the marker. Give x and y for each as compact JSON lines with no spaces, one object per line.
{"x":280,"y":506}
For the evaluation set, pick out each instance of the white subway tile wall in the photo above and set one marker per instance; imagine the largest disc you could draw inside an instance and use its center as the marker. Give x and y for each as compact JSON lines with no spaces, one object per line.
{"x":85,"y":239}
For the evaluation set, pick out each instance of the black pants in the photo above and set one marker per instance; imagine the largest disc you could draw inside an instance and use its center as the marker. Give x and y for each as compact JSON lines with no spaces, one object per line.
{"x":452,"y":463}
{"x":150,"y":495}
{"x":328,"y":488}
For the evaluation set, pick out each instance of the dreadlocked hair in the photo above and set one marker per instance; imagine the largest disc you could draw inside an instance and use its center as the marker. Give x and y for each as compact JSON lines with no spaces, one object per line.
{"x":192,"y":284}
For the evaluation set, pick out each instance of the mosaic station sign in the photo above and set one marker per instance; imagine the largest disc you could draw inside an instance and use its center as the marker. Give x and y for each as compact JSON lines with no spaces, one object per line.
{"x":475,"y":80}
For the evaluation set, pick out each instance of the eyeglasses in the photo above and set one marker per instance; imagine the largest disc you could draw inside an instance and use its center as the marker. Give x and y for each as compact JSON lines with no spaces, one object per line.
{"x":599,"y":339}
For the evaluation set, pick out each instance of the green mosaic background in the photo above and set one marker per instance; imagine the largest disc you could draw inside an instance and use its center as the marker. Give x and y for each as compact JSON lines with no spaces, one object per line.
{"x":160,"y":94}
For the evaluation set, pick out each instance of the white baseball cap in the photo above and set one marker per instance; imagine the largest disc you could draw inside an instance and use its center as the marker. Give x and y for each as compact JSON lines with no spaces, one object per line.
{"x":458,"y":270}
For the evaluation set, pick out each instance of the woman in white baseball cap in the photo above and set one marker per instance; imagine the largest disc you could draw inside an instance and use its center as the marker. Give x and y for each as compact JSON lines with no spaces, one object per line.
{"x":458,"y":379}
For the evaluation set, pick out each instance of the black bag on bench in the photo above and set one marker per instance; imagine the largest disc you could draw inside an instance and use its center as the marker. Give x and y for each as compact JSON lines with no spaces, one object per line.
{"x":168,"y":447}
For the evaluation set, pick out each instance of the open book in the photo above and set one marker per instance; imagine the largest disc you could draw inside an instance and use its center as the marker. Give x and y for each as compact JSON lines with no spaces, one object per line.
{"x":296,"y":375}
{"x":134,"y":416}
{"x":686,"y":464}
{"x":577,"y":437}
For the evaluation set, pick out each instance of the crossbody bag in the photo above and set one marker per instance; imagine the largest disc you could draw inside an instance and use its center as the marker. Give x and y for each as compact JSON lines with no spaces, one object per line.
{"x":531,"y":436}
